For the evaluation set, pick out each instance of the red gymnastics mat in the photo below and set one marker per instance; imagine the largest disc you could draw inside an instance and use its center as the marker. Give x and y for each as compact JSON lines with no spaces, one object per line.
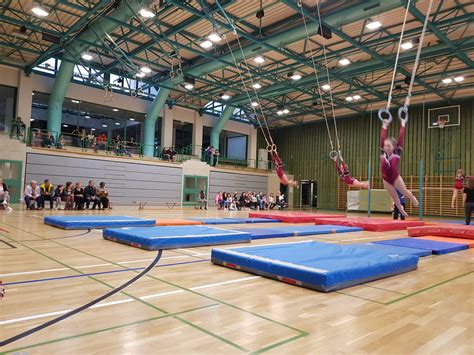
{"x":439,"y":230}
{"x":294,"y":217}
{"x":373,"y":224}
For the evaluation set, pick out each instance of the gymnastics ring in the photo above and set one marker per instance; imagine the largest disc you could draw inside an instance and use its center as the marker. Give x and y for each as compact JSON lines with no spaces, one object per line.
{"x":333,"y":155}
{"x":387,"y":112}
{"x":179,"y":72}
{"x":403,"y":114}
{"x":172,"y":74}
{"x":272,"y":148}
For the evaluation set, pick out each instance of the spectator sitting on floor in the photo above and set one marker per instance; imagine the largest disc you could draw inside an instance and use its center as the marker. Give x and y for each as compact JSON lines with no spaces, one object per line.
{"x":90,"y":195}
{"x":67,"y":196}
{"x":47,"y":194}
{"x":103,"y":195}
{"x":4,"y":195}
{"x":271,"y":202}
{"x":61,"y":142}
{"x":32,"y":196}
{"x":57,"y":197}
{"x":202,"y":200}
{"x":218,"y":200}
{"x":78,"y":197}
{"x":281,"y":203}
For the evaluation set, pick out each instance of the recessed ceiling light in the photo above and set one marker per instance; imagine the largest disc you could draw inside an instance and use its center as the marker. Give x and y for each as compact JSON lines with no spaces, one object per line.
{"x":131,"y":119}
{"x":206,"y":44}
{"x":257,"y":85}
{"x":349,"y":98}
{"x":296,"y":76}
{"x":225,"y":97}
{"x":65,"y":126}
{"x":75,"y":101}
{"x":356,"y":97}
{"x":447,"y":80}
{"x":344,"y":61}
{"x":92,"y":129}
{"x":326,"y":87}
{"x":286,"y":111}
{"x":254,"y":104}
{"x":189,"y":86}
{"x":458,"y":79}
{"x":407,"y":45}
{"x":146,"y":13}
{"x":259,"y":59}
{"x":104,"y":125}
{"x":214,"y":37}
{"x":39,"y":10}
{"x":373,"y":25}
{"x":145,"y":70}
{"x":87,"y":56}
{"x":115,"y":109}
{"x":117,"y":124}
{"x":87,"y":116}
{"x":140,"y":75}
{"x":280,"y":112}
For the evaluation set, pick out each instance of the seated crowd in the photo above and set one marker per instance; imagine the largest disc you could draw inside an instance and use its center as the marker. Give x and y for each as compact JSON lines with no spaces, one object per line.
{"x":249,"y":201}
{"x":74,"y":197}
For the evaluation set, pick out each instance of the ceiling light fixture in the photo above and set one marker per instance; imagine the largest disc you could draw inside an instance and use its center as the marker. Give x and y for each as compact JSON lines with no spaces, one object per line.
{"x":344,"y":61}
{"x":117,"y":124}
{"x":65,"y":126}
{"x":447,"y":80}
{"x":32,"y":119}
{"x":286,"y":111}
{"x":349,"y":98}
{"x":140,"y":75}
{"x":254,"y":104}
{"x":104,"y":125}
{"x":131,"y":119}
{"x":356,"y":97}
{"x":458,"y":79}
{"x":225,"y":97}
{"x":87,"y":56}
{"x":257,"y":85}
{"x":115,"y":110}
{"x":214,"y":37}
{"x":75,"y":101}
{"x":146,"y":13}
{"x":87,"y":116}
{"x":145,"y":70}
{"x":259,"y":59}
{"x":407,"y":45}
{"x":39,"y":10}
{"x":206,"y":44}
{"x":296,"y":76}
{"x":326,"y":87}
{"x":92,"y":129}
{"x":189,"y":83}
{"x":373,"y":25}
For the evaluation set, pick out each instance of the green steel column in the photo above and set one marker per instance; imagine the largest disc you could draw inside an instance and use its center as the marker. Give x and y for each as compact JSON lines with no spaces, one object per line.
{"x":123,"y":13}
{"x":150,"y":121}
{"x":219,"y":126}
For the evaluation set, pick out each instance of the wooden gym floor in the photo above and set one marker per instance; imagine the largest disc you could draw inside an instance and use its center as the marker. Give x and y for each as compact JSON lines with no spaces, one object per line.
{"x":188,"y":305}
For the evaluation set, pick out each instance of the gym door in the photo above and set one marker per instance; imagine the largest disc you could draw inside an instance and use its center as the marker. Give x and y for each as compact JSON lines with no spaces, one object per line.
{"x":309,"y":193}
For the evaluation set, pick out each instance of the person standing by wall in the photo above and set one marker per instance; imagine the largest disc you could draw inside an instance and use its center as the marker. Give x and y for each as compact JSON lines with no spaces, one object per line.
{"x":468,"y":198}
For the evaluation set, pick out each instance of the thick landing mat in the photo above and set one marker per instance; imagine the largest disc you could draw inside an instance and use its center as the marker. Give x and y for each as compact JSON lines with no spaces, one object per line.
{"x":177,"y":222}
{"x":399,"y":250}
{"x":372,"y":224}
{"x":90,"y":222}
{"x":296,"y":231}
{"x":293,"y":217}
{"x":256,"y":220}
{"x":435,"y":246}
{"x":447,"y":221}
{"x":320,"y":266}
{"x":442,"y":231}
{"x":468,"y":242}
{"x":218,"y":220}
{"x":155,"y":238}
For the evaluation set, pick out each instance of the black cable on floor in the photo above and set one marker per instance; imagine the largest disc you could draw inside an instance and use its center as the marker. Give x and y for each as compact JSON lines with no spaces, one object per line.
{"x":80,"y":309}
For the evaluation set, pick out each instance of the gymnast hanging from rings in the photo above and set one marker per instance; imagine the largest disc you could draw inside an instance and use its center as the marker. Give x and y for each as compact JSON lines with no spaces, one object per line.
{"x":279,"y":168}
{"x":390,"y":159}
{"x":344,"y":174}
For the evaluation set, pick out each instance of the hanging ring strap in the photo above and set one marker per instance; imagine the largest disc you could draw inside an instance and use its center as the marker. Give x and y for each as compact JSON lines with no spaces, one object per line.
{"x":382,"y":112}
{"x":272,"y":148}
{"x":333,"y":154}
{"x":403,"y":114}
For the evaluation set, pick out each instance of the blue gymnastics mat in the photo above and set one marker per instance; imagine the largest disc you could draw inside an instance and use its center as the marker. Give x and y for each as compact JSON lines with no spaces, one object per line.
{"x":218,"y":220}
{"x":399,"y":250}
{"x":90,"y":222}
{"x":320,"y":266}
{"x":314,"y":230}
{"x":263,"y":233}
{"x":169,"y":237}
{"x":434,"y":246}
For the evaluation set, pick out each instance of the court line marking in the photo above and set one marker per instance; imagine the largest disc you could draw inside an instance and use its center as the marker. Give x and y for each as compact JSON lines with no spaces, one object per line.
{"x":156,"y":295}
{"x":85,"y":266}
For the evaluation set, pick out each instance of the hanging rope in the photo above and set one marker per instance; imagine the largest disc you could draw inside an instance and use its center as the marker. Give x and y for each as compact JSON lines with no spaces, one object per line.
{"x":403,"y":111}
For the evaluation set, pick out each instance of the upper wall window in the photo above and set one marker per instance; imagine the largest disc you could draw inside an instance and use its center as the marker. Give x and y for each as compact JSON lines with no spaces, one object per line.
{"x":7,"y":107}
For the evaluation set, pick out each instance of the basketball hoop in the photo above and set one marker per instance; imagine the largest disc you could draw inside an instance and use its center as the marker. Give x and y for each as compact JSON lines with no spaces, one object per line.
{"x":441,"y":123}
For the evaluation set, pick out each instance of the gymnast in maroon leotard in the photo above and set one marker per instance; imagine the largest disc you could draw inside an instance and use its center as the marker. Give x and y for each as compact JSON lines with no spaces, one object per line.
{"x":389,"y":161}
{"x":279,"y":170}
{"x":345,"y":175}
{"x":458,"y":186}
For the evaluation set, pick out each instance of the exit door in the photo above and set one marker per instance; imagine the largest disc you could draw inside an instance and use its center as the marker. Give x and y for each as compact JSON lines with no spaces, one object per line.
{"x":309,"y":193}
{"x":11,"y":173}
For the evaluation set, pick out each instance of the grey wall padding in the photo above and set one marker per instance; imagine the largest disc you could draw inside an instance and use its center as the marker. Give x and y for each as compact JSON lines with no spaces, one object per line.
{"x":127,"y":182}
{"x":231,"y":182}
